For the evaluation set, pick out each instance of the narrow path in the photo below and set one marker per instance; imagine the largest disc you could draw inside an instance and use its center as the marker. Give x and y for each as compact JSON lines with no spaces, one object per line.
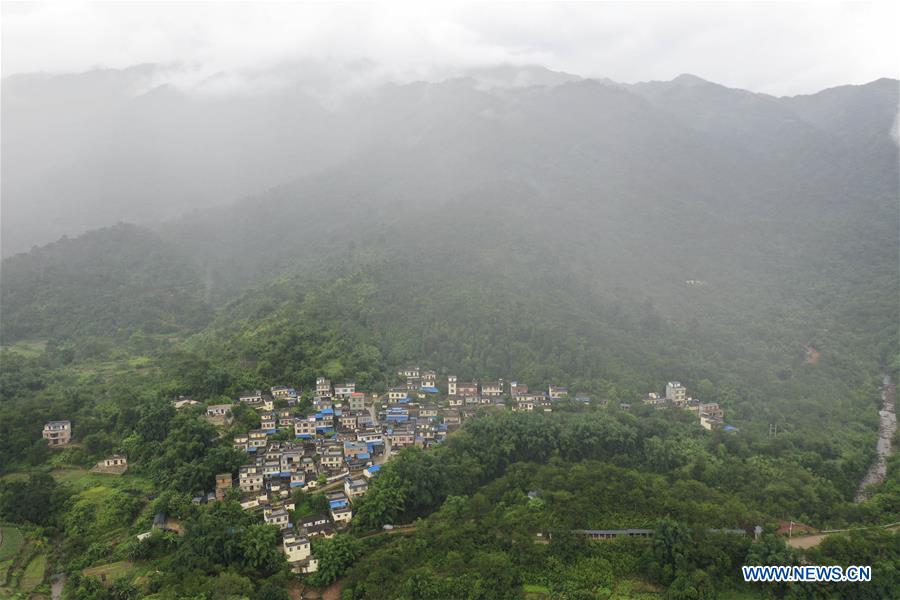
{"x":886,"y":430}
{"x":57,"y":584}
{"x":397,"y":529}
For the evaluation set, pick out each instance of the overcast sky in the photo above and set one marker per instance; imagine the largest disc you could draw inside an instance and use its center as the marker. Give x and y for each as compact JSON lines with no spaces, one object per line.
{"x":767,"y":47}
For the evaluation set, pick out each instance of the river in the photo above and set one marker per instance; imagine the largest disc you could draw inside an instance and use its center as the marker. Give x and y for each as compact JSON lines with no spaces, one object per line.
{"x":886,"y":430}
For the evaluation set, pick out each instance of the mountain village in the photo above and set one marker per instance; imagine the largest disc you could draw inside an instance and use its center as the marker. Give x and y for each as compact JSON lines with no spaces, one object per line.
{"x":336,"y":438}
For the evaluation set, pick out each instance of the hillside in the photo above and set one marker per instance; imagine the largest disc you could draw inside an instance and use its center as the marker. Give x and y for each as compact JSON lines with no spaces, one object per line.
{"x":603,"y":237}
{"x":109,"y":283}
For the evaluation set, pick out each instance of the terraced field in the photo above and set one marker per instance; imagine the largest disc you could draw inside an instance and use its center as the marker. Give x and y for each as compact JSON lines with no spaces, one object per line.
{"x":22,"y":565}
{"x":34,"y":573}
{"x":11,"y":541}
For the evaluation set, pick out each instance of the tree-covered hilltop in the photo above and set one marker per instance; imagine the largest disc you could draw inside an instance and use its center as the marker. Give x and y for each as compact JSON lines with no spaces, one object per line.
{"x":108,"y":283}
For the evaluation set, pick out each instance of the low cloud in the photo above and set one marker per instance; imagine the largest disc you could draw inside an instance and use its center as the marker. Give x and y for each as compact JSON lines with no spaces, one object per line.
{"x":767,"y":47}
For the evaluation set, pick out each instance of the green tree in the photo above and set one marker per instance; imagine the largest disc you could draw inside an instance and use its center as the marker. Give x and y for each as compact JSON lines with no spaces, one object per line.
{"x":334,"y":555}
{"x":671,"y":547}
{"x":259,"y":544}
{"x":693,"y":586}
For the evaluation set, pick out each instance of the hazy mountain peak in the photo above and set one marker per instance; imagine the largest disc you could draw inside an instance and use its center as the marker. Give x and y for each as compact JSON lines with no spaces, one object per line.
{"x":689,"y":79}
{"x":519,"y":76}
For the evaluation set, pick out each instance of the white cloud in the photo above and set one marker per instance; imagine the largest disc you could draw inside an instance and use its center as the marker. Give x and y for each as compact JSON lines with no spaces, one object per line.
{"x":769,"y":47}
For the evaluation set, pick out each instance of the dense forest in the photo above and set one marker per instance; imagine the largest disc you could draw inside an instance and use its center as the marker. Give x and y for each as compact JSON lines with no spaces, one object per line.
{"x":572,"y":242}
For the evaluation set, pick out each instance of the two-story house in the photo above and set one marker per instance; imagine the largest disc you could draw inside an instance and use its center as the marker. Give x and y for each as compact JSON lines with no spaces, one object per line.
{"x":523,"y":404}
{"x":492,"y":389}
{"x":428,"y":379}
{"x":516,"y":388}
{"x":241,"y":442}
{"x":315,"y":525}
{"x":654,"y":399}
{"x":285,"y":417}
{"x":410,"y":372}
{"x":280,"y":392}
{"x":332,"y":458}
{"x":257,"y":400}
{"x":268,"y":422}
{"x":401,"y":437}
{"x":343,"y":390}
{"x":296,"y":548}
{"x":355,"y":487}
{"x":278,"y":517}
{"x":397,"y":394}
{"x":467,"y":388}
{"x":348,"y":421}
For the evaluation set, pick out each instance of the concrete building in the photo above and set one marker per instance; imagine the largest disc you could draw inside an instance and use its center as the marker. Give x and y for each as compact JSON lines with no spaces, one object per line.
{"x":676,"y":393}
{"x":58,"y":433}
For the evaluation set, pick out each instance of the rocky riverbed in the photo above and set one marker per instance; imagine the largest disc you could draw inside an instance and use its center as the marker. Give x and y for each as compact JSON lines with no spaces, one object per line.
{"x":884,"y":448}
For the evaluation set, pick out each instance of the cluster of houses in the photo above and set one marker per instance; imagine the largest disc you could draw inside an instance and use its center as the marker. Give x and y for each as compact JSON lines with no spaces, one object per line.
{"x":336,"y":447}
{"x":461,"y":394}
{"x":710,"y":414}
{"x":340,"y":444}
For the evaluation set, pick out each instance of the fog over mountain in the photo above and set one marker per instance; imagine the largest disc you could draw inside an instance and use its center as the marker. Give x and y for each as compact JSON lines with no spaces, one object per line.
{"x":553,"y":300}
{"x":87,"y":150}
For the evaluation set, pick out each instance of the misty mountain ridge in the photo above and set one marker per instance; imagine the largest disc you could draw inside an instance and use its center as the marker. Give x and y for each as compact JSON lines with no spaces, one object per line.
{"x":602,"y":236}
{"x":113,"y":155}
{"x":582,"y":202}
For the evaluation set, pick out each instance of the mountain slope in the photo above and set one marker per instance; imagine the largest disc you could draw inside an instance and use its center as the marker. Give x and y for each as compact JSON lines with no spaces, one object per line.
{"x":109,"y":282}
{"x":583,"y":233}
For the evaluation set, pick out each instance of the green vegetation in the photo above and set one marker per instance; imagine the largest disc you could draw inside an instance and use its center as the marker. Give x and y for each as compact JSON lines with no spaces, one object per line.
{"x":111,"y":571}
{"x":111,"y":282}
{"x":10,"y":542}
{"x":28,"y":348}
{"x":587,"y":272}
{"x":34,"y":573}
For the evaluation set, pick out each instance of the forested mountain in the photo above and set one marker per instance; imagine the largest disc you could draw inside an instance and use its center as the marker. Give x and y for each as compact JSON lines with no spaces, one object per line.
{"x":551,"y":230}
{"x":513,"y":223}
{"x":86,"y":150}
{"x":110,"y":282}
